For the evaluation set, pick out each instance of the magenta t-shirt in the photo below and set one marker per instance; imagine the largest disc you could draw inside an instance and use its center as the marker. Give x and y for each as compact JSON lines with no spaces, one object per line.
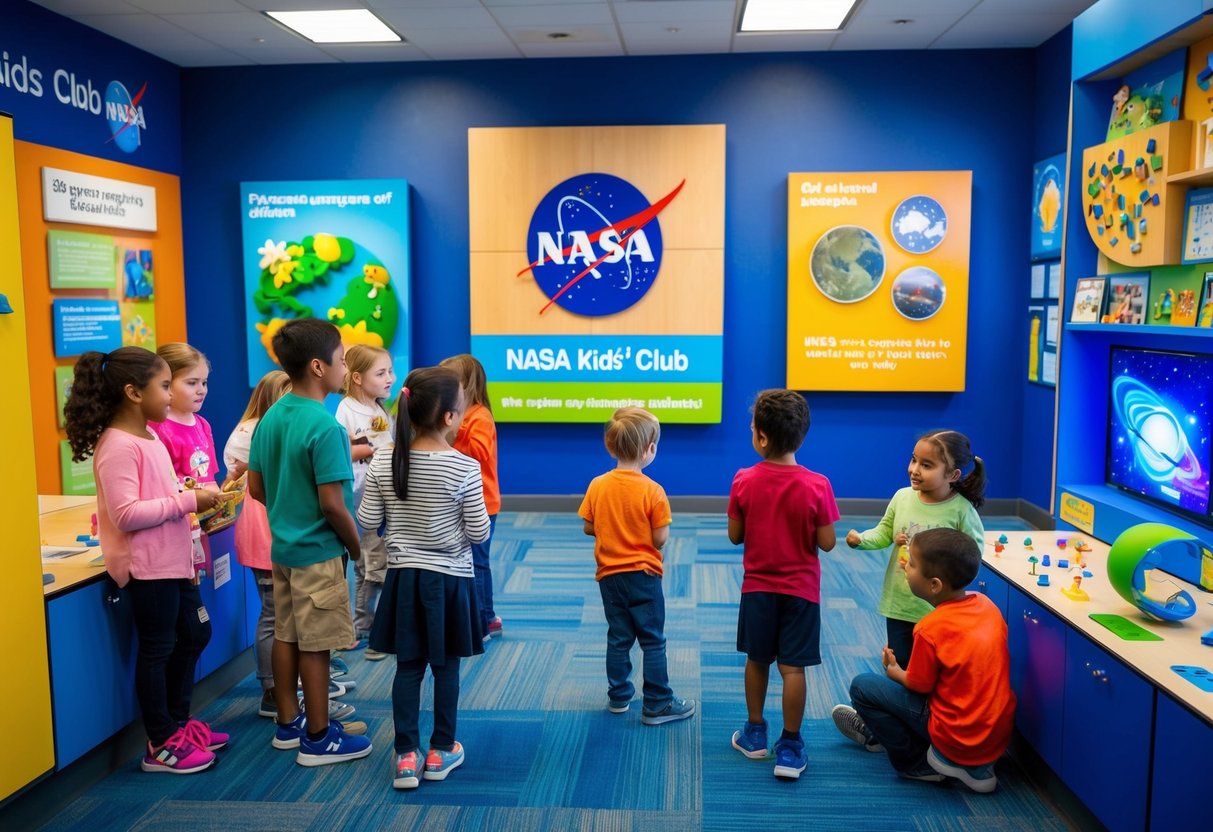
{"x":782,"y":506}
{"x":191,"y":448}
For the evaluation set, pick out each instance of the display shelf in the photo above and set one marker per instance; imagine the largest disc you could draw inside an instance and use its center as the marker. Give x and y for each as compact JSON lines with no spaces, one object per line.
{"x":1144,"y":329}
{"x":1116,"y":510}
{"x":1192,"y":178}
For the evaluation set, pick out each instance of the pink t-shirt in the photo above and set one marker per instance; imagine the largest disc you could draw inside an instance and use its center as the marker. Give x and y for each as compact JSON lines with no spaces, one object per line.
{"x":191,"y":448}
{"x":782,"y":506}
{"x":141,"y":515}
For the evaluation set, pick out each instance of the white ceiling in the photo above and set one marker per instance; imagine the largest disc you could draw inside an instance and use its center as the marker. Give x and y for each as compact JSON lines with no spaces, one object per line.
{"x":195,"y":33}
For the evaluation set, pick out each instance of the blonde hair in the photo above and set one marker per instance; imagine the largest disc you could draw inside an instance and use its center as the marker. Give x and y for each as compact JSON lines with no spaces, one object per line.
{"x":273,"y":386}
{"x":630,"y":432}
{"x":471,"y":377}
{"x":360,"y":358}
{"x":180,"y":356}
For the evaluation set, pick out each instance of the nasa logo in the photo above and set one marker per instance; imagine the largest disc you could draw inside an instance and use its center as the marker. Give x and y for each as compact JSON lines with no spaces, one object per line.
{"x":594,"y":244}
{"x":124,"y":114}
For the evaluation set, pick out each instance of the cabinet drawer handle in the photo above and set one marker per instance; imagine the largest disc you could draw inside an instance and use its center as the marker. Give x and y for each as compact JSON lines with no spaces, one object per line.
{"x":1101,"y":675}
{"x":981,"y":584}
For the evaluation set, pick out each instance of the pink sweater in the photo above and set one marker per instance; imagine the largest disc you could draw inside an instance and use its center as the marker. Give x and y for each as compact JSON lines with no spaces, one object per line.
{"x":141,"y":516}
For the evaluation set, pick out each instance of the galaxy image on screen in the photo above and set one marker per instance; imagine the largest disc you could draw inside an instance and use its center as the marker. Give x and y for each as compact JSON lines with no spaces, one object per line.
{"x":1159,"y":425}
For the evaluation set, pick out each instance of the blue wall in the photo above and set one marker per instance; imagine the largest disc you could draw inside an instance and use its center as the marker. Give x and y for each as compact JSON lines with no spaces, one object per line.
{"x":803,"y":112}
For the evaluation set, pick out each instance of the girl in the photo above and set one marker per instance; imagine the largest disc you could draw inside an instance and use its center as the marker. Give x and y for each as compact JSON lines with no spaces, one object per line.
{"x":433,"y":501}
{"x":186,"y":434}
{"x":143,"y":519}
{"x":478,"y":439}
{"x":939,"y":495}
{"x":368,"y":382}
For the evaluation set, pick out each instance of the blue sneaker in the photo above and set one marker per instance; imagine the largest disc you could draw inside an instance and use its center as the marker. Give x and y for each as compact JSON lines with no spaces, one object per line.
{"x":790,"y":758}
{"x":751,"y":740}
{"x":288,"y":735}
{"x":337,"y":667}
{"x":980,"y":779}
{"x":439,"y":763}
{"x":408,"y":768}
{"x":677,"y":709}
{"x":618,"y":706}
{"x":336,"y":746}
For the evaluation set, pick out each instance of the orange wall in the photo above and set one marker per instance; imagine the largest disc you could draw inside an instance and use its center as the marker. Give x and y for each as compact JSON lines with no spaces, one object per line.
{"x":169,"y":283}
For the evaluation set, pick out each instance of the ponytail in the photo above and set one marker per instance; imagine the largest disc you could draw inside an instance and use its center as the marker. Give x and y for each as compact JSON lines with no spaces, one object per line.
{"x":973,"y":486}
{"x":429,"y":394}
{"x":98,"y":387}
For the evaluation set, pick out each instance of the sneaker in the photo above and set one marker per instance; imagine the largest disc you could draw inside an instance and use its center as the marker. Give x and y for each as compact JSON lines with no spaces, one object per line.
{"x":337,"y":667}
{"x":751,"y":740}
{"x":336,"y":689}
{"x":288,"y":736}
{"x":850,"y":724}
{"x":178,"y":755}
{"x":922,"y":772}
{"x":374,"y":655}
{"x":336,"y":746}
{"x":408,"y":767}
{"x":201,"y":735}
{"x":494,"y":629}
{"x":673,"y":712}
{"x":438,"y":763}
{"x":790,"y":758}
{"x":978,"y":778}
{"x":618,"y":707}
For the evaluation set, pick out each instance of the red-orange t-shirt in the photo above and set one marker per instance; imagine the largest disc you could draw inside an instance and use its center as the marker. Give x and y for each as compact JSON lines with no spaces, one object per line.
{"x":625,"y":507}
{"x":477,"y":438}
{"x":960,"y":661}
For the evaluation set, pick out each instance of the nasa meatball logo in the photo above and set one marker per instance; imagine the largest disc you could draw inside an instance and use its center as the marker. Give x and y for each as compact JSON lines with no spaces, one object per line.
{"x":124,"y":115}
{"x":594,"y":244}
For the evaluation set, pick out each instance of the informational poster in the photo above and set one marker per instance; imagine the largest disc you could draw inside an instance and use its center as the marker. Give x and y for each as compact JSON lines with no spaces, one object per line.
{"x":84,"y":324}
{"x":1048,"y":202}
{"x":335,"y":250}
{"x":63,"y":388}
{"x":1038,"y":280}
{"x":84,"y":199}
{"x":80,"y":261}
{"x":77,"y":476}
{"x":878,"y":280}
{"x":597,"y":271}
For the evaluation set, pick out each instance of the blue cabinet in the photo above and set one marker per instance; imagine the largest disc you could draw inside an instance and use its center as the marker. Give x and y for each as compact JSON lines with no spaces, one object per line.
{"x":1037,"y":643}
{"x":993,"y":586}
{"x":225,"y":605}
{"x":1182,"y":745}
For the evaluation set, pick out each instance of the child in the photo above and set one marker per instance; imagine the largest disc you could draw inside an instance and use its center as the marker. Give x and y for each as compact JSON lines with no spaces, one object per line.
{"x":143,"y":520}
{"x":299,"y":467}
{"x":478,"y":439}
{"x":938,"y":496}
{"x":185,"y":433}
{"x":432,"y":500}
{"x":368,"y":382}
{"x":628,"y":516}
{"x":951,"y":711}
{"x":784,"y":513}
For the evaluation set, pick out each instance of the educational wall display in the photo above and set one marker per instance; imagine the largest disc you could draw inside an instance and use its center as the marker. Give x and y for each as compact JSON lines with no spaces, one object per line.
{"x":1149,"y":96}
{"x":81,"y":198}
{"x":1048,"y":202}
{"x":878,"y":280}
{"x":334,"y":250}
{"x":597,"y":270}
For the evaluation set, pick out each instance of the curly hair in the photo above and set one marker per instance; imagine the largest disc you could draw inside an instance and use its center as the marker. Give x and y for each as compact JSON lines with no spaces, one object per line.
{"x":783,"y":417}
{"x":97,"y":391}
{"x":429,"y":394}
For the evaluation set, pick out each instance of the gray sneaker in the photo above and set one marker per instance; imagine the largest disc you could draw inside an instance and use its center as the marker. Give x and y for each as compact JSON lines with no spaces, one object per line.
{"x":850,"y":724}
{"x":677,"y":709}
{"x":980,"y":779}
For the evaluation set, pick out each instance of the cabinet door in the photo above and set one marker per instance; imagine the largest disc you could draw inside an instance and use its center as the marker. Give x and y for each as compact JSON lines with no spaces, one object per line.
{"x":993,"y":586}
{"x":1105,"y":755}
{"x":1182,"y":744}
{"x":1037,"y":642}
{"x":225,"y":604}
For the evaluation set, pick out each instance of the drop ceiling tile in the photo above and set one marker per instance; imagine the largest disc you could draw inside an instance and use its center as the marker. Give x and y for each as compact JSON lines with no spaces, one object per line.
{"x":784,"y":42}
{"x":441,"y":18}
{"x":374,"y":52}
{"x":191,"y":6}
{"x":71,"y":8}
{"x":453,"y":39}
{"x":584,"y":14}
{"x":1002,"y":31}
{"x":680,"y":12}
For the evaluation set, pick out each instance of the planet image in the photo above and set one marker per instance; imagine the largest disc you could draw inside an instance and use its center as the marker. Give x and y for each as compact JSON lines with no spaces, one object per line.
{"x":919,"y":224}
{"x":918,"y":293}
{"x":1048,"y":199}
{"x":847,"y":263}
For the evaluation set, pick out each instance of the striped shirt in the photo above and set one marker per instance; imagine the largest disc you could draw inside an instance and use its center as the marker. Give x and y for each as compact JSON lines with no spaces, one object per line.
{"x":444,"y":515}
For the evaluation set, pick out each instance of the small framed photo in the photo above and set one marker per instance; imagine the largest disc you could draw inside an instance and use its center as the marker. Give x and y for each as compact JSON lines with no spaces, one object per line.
{"x":1088,"y":300}
{"x":1198,"y":226}
{"x":1204,"y":315}
{"x":1127,"y":295}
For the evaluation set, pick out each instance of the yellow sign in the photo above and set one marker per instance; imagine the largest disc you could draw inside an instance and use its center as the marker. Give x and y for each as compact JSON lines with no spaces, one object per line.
{"x":1078,"y":513}
{"x":878,"y":280}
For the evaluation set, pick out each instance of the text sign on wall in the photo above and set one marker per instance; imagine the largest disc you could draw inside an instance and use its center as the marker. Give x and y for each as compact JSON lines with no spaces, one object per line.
{"x":878,"y":280}
{"x":85,"y":199}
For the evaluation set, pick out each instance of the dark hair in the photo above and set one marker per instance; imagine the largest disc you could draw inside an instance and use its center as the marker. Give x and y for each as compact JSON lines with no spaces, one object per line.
{"x":98,"y":387}
{"x":301,"y":340}
{"x":783,"y":417}
{"x":954,"y":447}
{"x":429,"y":394}
{"x":947,"y":554}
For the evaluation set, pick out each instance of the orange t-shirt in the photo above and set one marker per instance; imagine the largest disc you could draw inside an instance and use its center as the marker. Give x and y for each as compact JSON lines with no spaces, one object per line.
{"x":625,"y":507}
{"x":477,"y":438}
{"x":960,"y":661}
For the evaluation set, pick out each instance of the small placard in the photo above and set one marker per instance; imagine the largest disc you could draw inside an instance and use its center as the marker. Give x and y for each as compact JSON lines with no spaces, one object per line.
{"x":84,"y":199}
{"x":77,"y":477}
{"x":81,"y":261}
{"x":85,"y":324}
{"x":1077,"y":512}
{"x":223,"y":569}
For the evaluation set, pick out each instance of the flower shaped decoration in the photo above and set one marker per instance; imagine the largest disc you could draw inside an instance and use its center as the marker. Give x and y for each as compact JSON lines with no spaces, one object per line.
{"x":272,"y":254}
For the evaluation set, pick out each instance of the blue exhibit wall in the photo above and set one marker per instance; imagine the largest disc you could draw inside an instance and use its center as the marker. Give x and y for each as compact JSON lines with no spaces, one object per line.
{"x":783,"y":113}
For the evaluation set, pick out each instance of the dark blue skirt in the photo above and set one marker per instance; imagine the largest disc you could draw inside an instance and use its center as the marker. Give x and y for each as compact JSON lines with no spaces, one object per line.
{"x":427,"y":615}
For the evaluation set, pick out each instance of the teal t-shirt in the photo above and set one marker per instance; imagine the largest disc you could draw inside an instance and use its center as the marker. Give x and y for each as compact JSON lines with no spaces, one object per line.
{"x":297,"y":446}
{"x":908,"y":513}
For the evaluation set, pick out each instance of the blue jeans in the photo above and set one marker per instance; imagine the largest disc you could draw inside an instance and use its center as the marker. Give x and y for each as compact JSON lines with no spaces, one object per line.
{"x":895,"y":715}
{"x":900,"y":639}
{"x":635,"y":611}
{"x":406,"y":704}
{"x":483,"y":576}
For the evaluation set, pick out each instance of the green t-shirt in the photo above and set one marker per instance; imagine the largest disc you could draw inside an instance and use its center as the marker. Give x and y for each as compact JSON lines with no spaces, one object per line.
{"x":296,"y":447}
{"x":908,"y":513}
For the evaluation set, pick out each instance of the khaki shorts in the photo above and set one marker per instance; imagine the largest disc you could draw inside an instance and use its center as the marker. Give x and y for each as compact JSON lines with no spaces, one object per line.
{"x":312,"y":606}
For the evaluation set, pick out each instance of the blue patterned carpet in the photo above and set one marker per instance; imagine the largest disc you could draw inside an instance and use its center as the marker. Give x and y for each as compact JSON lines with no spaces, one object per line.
{"x":543,"y":753}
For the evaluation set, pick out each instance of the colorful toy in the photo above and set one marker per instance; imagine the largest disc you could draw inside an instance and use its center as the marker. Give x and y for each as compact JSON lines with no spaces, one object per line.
{"x":1061,"y":543}
{"x":1027,"y":543}
{"x":1045,"y":561}
{"x":998,"y":547}
{"x":1002,"y":538}
{"x":1042,"y":580}
{"x":1198,"y":676}
{"x":1074,"y":591}
{"x":1032,"y":559}
{"x":1140,"y":549}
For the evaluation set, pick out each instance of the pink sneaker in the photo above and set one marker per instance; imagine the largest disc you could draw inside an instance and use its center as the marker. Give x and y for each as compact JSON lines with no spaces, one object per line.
{"x":178,"y":755}
{"x":201,"y":735}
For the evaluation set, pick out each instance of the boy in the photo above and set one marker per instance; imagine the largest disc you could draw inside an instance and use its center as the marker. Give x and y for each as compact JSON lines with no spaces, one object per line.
{"x":300,"y":468}
{"x":628,"y":516}
{"x":951,"y":711}
{"x":784,"y":513}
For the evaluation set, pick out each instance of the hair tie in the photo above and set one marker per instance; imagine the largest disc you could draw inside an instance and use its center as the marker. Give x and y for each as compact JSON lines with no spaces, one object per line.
{"x":404,"y":391}
{"x":105,"y":359}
